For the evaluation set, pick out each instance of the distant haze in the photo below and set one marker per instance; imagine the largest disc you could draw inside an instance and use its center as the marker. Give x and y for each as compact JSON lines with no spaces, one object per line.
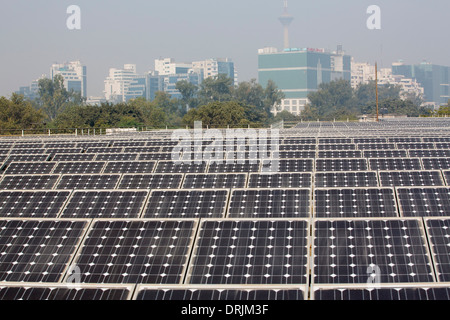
{"x":33,"y":33}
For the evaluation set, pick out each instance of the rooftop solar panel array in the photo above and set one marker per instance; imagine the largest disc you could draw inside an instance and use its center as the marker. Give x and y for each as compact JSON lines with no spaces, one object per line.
{"x":333,"y":208}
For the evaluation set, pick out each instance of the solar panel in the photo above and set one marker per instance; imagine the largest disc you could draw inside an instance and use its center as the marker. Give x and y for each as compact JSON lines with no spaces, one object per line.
{"x":446,"y":177}
{"x":340,"y":154}
{"x":215,"y":293}
{"x":250,"y":252}
{"x":88,"y":181}
{"x":27,"y":151}
{"x":364,"y":251}
{"x":173,"y":167}
{"x":341,"y":165}
{"x":104,"y":150}
{"x":155,"y":156}
{"x":429,"y":153}
{"x":337,"y":146}
{"x":436,"y":139}
{"x":27,"y":158}
{"x":141,"y":149}
{"x":346,"y":179}
{"x":65,"y":145}
{"x":136,"y":251}
{"x":129,"y":167}
{"x":129,"y":144}
{"x":37,"y":250}
{"x":150,"y":181}
{"x":409,"y":146}
{"x":4,"y":152}
{"x":439,"y":235}
{"x":27,"y":145}
{"x":436,"y":163}
{"x":297,"y":154}
{"x":376,"y":146}
{"x":215,"y":181}
{"x":56,"y":291}
{"x":300,"y":141}
{"x":86,"y":145}
{"x":116,"y":157}
{"x":385,"y":154}
{"x":392,"y":164}
{"x":355,"y":203}
{"x":105,"y":204}
{"x":23,"y":168}
{"x":73,"y":157}
{"x":410,"y":293}
{"x":28,"y":204}
{"x":405,"y":140}
{"x":410,"y":178}
{"x":297,"y":147}
{"x":270,"y":203}
{"x":334,"y":140}
{"x":369,"y":140}
{"x":224,"y":167}
{"x":62,"y":150}
{"x":74,"y":167}
{"x":28,"y":182}
{"x":289,"y":165}
{"x":186,"y":204}
{"x":280,"y":180}
{"x":423,"y":202}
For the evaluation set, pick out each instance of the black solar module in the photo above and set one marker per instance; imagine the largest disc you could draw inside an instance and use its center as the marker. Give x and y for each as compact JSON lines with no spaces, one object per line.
{"x":436,"y":163}
{"x":27,"y":151}
{"x":63,"y":150}
{"x":385,"y":154}
{"x":88,"y":181}
{"x":439,"y":238}
{"x":150,"y":181}
{"x":186,"y":204}
{"x":270,"y":203}
{"x":63,"y":292}
{"x":376,"y":146}
{"x":28,"y":204}
{"x":116,"y":157}
{"x":392,"y":164}
{"x":224,"y":167}
{"x":129,"y":144}
{"x":37,"y":250}
{"x":175,"y":167}
{"x":341,"y":165}
{"x":104,"y":150}
{"x":22,"y":168}
{"x":28,"y":158}
{"x":346,"y":179}
{"x":370,"y":251}
{"x":136,"y":251}
{"x":297,"y":154}
{"x":62,"y":145}
{"x":297,"y":147}
{"x":335,"y":140}
{"x":337,"y":146}
{"x":413,"y":146}
{"x":250,"y":252}
{"x":155,"y":156}
{"x":429,"y":292}
{"x":279,"y":180}
{"x":288,"y":165}
{"x":129,"y":167}
{"x":355,"y":203}
{"x":424,"y":202}
{"x":215,"y":181}
{"x":339,"y":154}
{"x":410,"y":178}
{"x":141,"y":149}
{"x":429,"y":153}
{"x":369,"y":140}
{"x":405,"y":139}
{"x":73,"y":157}
{"x":74,"y":167}
{"x":218,"y":294}
{"x":28,"y":182}
{"x":105,"y":204}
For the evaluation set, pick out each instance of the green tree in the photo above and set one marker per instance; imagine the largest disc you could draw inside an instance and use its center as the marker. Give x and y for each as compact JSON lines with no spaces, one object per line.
{"x":188,"y":92}
{"x":17,"y":113}
{"x":219,"y":88}
{"x":217,"y":115}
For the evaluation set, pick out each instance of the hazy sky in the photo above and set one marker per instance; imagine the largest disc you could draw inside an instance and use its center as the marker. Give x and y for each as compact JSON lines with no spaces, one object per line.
{"x":33,"y":33}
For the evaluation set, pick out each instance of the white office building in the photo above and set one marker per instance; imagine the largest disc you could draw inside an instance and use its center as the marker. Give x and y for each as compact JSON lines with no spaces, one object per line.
{"x":124,"y":84}
{"x":74,"y":74}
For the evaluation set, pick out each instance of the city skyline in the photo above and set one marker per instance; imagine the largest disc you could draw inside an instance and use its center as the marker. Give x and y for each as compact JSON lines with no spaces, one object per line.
{"x":199,"y":30}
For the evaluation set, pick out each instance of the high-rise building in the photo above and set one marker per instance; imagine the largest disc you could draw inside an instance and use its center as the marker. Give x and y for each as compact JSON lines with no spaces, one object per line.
{"x":124,"y":84}
{"x":213,"y":67}
{"x":298,"y":72}
{"x":168,"y":66}
{"x":435,"y":80}
{"x":74,"y":74}
{"x":31,"y":92}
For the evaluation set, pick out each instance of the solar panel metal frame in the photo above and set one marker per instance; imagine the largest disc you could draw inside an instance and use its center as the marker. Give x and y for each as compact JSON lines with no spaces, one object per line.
{"x":195,"y":247}
{"x":119,"y":185}
{"x":147,"y":203}
{"x":76,"y":245}
{"x":301,"y":287}
{"x":393,"y":284}
{"x":380,"y":172}
{"x":69,"y":286}
{"x":74,"y":192}
{"x":193,"y":237}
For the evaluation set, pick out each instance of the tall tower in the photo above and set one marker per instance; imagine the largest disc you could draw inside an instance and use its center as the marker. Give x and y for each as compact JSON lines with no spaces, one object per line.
{"x":286,"y":20}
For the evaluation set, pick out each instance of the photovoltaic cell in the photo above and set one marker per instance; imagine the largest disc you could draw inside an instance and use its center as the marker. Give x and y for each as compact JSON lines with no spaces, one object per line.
{"x":270,"y":203}
{"x":358,"y":251}
{"x":250,"y":252}
{"x":186,"y":204}
{"x":436,"y":163}
{"x":355,"y":203}
{"x":424,"y":202}
{"x":105,"y":204}
{"x":144,"y":251}
{"x":37,"y":251}
{"x":29,"y":204}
